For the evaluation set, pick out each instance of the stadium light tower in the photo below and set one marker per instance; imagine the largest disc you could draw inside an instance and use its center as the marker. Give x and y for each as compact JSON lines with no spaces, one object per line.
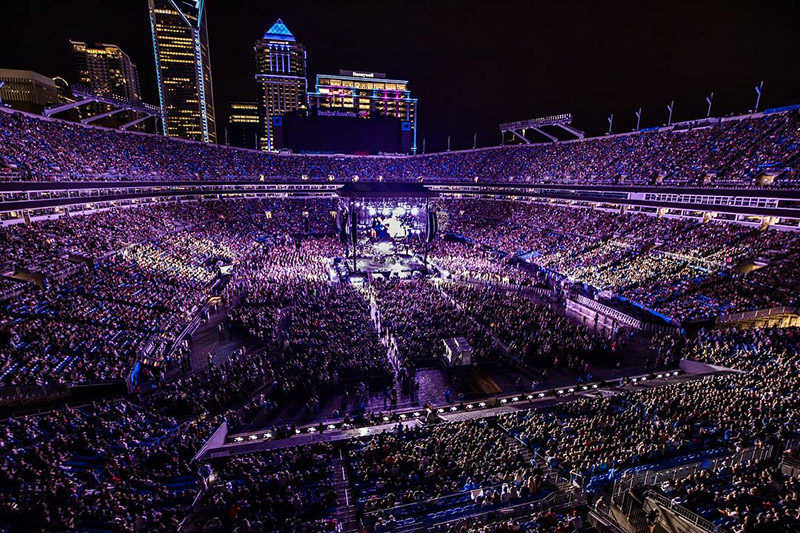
{"x":638,"y":118}
{"x":670,"y":107}
{"x":759,"y":88}
{"x":610,"y":123}
{"x":709,"y":99}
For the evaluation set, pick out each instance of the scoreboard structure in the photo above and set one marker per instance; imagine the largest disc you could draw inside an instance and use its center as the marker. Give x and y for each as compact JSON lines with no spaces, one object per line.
{"x":329,"y":133}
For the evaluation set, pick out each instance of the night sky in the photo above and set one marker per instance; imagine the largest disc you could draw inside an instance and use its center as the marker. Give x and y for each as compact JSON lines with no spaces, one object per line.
{"x":472,"y":64}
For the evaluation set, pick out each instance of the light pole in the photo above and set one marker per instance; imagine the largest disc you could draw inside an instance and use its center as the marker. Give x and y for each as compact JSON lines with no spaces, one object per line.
{"x":1,"y":86}
{"x":638,"y":118}
{"x":448,"y":143}
{"x":670,"y":107}
{"x":759,"y":87}
{"x":475,"y":140}
{"x":610,"y":123}
{"x":709,"y":99}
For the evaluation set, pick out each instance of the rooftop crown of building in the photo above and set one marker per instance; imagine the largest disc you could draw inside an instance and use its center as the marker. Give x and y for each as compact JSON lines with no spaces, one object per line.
{"x":279,"y":31}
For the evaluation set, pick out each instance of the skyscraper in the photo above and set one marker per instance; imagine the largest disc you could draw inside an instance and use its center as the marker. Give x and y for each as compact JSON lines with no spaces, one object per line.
{"x":183,"y":68}
{"x":281,"y":78}
{"x":106,"y":70}
{"x":26,"y":90}
{"x":243,"y":124}
{"x":366,"y":95}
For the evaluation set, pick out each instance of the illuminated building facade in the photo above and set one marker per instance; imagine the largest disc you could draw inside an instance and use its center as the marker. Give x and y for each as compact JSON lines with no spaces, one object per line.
{"x":183,"y":68}
{"x":26,"y":90}
{"x":281,"y":79}
{"x":106,"y":70}
{"x":243,"y":124}
{"x":365,"y":95}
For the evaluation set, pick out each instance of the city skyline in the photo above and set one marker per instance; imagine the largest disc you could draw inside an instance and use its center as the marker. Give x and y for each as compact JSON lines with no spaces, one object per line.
{"x":505,"y":62}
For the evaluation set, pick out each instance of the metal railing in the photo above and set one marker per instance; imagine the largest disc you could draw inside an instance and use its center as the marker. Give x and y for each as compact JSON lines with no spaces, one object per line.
{"x":650,"y":477}
{"x":541,"y":292}
{"x":441,"y":503}
{"x":683,"y":512}
{"x":19,"y":393}
{"x":758,"y":313}
{"x":609,"y":524}
{"x":790,"y":463}
{"x":633,"y":510}
{"x":792,"y":444}
{"x":551,"y":501}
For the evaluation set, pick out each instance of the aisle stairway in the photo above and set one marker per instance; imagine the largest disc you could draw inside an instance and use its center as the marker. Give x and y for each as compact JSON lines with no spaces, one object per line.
{"x":525,"y":450}
{"x":345,"y":502}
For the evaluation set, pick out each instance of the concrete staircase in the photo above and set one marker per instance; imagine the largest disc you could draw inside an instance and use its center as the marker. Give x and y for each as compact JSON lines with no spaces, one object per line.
{"x":526,"y":452}
{"x":561,"y":484}
{"x":346,"y":507}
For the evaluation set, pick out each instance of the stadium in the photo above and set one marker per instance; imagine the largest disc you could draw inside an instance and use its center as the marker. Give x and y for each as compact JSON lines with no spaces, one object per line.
{"x":564,"y":332}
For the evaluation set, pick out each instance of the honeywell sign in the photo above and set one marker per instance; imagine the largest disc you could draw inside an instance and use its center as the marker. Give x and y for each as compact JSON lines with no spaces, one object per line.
{"x":361,"y":74}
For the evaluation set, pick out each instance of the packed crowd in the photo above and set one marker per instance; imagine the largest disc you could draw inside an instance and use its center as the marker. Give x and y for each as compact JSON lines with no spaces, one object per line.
{"x":464,"y":262}
{"x":418,"y":315}
{"x":140,"y":276}
{"x":115,"y":464}
{"x":121,"y":466}
{"x":535,"y":333}
{"x":730,"y":151}
{"x":421,"y":463}
{"x":324,"y":331}
{"x":660,"y":426}
{"x":112,"y":307}
{"x":109,"y":466}
{"x":680,"y":268}
{"x":753,"y":497}
{"x":285,"y":490}
{"x":773,"y":354}
{"x":770,"y":358}
{"x":749,"y":497}
{"x":118,"y":286}
{"x":48,"y":244}
{"x":93,"y":326}
{"x":400,"y":473}
{"x":242,"y":388}
{"x":669,"y":425}
{"x":529,"y":520}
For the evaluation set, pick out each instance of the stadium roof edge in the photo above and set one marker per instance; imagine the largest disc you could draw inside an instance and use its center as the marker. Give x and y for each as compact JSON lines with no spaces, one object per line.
{"x":783,"y":109}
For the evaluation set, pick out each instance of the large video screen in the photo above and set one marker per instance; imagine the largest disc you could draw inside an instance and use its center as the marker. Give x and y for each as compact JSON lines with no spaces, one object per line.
{"x":397,"y":225}
{"x":398,"y":222}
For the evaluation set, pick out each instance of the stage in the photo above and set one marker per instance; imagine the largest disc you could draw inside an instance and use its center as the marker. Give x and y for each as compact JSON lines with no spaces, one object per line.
{"x":385,"y":229}
{"x":380,"y":267}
